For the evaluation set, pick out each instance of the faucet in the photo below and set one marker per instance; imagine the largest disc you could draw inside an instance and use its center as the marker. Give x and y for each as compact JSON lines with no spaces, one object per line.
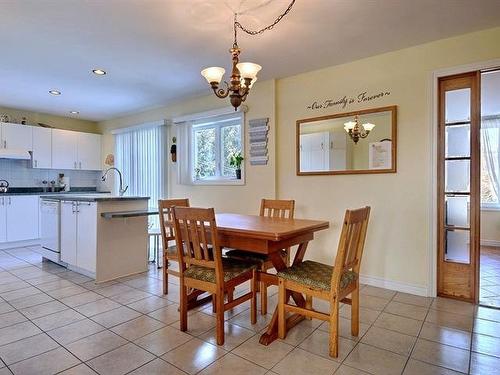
{"x":122,"y":190}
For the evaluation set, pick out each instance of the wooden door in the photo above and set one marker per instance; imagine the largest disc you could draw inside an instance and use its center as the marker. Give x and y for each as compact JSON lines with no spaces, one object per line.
{"x":459,"y":186}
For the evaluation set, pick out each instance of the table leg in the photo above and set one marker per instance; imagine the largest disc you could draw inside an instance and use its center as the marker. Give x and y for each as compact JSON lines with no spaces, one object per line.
{"x":272,"y":330}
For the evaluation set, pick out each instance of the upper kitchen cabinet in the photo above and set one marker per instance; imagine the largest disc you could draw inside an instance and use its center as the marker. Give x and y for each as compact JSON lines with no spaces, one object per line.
{"x":17,"y":137}
{"x":42,"y":147}
{"x":64,"y":149}
{"x":74,"y":150}
{"x":89,"y":151}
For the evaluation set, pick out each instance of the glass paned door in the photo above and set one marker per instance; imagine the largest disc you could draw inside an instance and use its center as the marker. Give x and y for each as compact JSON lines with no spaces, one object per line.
{"x":458,"y":186}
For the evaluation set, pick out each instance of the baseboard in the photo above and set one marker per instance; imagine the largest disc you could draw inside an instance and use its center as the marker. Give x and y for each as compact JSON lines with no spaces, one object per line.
{"x":490,"y":243}
{"x":398,"y":286}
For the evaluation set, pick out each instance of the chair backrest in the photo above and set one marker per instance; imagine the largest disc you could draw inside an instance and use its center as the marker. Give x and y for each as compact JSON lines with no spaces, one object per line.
{"x":166,"y":218}
{"x":196,"y":233}
{"x":351,"y":244}
{"x":277,"y":208}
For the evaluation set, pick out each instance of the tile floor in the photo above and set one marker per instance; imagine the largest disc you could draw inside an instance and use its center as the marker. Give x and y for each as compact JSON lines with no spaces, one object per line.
{"x":489,"y":293}
{"x":55,"y":321}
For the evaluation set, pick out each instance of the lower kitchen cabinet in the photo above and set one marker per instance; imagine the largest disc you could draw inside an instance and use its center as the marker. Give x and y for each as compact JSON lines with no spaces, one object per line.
{"x":18,"y":218}
{"x":78,"y":234}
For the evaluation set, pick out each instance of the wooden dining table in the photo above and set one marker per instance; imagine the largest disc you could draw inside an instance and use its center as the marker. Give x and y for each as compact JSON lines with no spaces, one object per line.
{"x":269,"y":235}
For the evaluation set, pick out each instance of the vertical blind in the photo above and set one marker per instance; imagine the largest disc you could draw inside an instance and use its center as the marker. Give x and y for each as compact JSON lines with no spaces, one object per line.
{"x":140,"y":155}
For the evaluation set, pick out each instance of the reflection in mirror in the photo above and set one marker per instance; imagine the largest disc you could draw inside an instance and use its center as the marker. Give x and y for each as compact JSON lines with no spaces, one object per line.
{"x":357,"y":142}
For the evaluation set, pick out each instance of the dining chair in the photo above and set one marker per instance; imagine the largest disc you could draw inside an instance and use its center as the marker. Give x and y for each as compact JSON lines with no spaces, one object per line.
{"x":202,"y":266}
{"x":269,"y":208}
{"x":167,"y":234}
{"x":329,"y":283}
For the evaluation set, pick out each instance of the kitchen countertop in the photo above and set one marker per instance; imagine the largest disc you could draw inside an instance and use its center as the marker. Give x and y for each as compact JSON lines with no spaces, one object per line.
{"x":39,"y":191}
{"x":92,"y":197}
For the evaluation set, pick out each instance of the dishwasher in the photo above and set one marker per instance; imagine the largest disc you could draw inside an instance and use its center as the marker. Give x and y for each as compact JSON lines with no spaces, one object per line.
{"x":50,"y":229}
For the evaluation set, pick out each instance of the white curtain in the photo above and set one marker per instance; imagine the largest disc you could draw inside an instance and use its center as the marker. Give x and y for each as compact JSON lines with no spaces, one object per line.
{"x":140,"y":155}
{"x":490,"y":142}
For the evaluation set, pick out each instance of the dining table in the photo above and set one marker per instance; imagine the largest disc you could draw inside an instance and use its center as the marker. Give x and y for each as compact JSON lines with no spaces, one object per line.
{"x":258,"y":234}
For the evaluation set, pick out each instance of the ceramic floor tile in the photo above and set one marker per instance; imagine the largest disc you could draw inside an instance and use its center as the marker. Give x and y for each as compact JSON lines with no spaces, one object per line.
{"x":406,"y":310}
{"x":26,"y":348}
{"x":441,"y":355}
{"x":114,"y":317}
{"x":347,"y":370}
{"x":199,"y":323}
{"x":446,"y":319}
{"x":33,"y":300}
{"x":75,"y":331}
{"x":163,"y":340}
{"x":43,"y":309}
{"x":97,"y":307}
{"x":149,"y":304}
{"x":81,"y":369}
{"x":243,"y":320}
{"x":318,"y":343}
{"x":345,"y":329}
{"x":11,"y":318}
{"x":17,"y":332}
{"x":66,"y":292}
{"x":367,"y":316}
{"x":453,"y":306}
{"x":81,"y":299}
{"x":445,"y":335}
{"x":54,"y":285}
{"x":488,"y":345}
{"x":234,"y":336}
{"x":399,"y":324}
{"x":389,"y":340}
{"x":301,"y":362}
{"x":19,"y":293}
{"x":375,"y":361}
{"x":373,"y":303}
{"x":121,"y":360}
{"x":484,"y":364}
{"x":95,"y":345}
{"x":378,"y":292}
{"x":47,"y":363}
{"x":194,"y":355}
{"x":414,"y":367}
{"x":488,"y":313}
{"x":487,"y":327}
{"x":14,"y":285}
{"x":58,"y":319}
{"x":130,"y":297}
{"x":114,"y":290}
{"x":5,"y":307}
{"x":167,"y":315}
{"x":138,"y":327}
{"x":157,"y":367}
{"x":413,"y":299}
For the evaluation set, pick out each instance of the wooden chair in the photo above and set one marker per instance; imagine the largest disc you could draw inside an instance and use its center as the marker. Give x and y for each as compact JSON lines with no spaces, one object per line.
{"x":202,"y":266}
{"x":167,"y":234}
{"x":333,"y":284}
{"x":269,"y":208}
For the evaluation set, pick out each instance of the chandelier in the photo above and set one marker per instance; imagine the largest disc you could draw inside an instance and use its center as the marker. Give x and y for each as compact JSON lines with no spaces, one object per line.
{"x":243,"y":74}
{"x":357,"y":131}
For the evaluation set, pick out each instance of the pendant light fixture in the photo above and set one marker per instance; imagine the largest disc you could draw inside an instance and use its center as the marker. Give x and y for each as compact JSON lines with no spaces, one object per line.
{"x":243,"y":74}
{"x":357,"y":131}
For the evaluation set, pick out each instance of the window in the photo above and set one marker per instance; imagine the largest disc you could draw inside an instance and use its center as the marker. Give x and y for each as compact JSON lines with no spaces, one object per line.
{"x":212,"y":142}
{"x":490,"y":157}
{"x":140,"y":156}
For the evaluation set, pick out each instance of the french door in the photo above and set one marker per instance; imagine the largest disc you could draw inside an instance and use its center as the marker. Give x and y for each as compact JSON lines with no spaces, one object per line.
{"x":459,"y":186}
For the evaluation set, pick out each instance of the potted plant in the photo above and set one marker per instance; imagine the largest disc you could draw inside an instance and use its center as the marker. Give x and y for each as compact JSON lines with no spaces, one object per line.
{"x":235,"y":160}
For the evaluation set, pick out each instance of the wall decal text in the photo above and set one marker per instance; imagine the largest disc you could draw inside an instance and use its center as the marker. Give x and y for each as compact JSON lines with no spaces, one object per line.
{"x":345,"y":101}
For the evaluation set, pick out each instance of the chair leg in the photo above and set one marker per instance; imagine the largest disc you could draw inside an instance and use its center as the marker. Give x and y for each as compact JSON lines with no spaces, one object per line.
{"x":334,"y":329}
{"x":157,"y":245}
{"x":281,"y":310}
{"x":165,"y":276}
{"x":219,"y":297}
{"x":183,"y":307}
{"x":253,"y":301}
{"x":355,"y":311}
{"x":309,"y":305}
{"x":214,"y":303}
{"x":263,"y":295}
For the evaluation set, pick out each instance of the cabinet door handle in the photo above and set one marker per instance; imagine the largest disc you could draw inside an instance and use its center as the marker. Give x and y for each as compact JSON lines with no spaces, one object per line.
{"x":10,"y":201}
{"x":36,"y":163}
{"x":4,"y":144}
{"x":75,"y":164}
{"x":80,"y":165}
{"x":3,"y":201}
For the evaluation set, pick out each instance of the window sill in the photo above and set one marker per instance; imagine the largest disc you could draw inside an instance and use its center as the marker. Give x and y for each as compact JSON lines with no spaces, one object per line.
{"x":228,"y":181}
{"x":490,"y":208}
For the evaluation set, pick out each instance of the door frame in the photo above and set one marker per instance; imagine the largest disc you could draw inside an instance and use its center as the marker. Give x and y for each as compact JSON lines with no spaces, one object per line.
{"x":434,"y":128}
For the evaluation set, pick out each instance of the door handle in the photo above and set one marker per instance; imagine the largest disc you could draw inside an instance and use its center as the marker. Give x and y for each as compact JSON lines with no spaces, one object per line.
{"x":80,"y":165}
{"x":10,"y":201}
{"x":4,"y":144}
{"x":75,"y":164}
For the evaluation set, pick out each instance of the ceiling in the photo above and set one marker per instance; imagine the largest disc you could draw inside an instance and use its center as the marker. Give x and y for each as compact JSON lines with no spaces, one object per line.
{"x":153,"y":50}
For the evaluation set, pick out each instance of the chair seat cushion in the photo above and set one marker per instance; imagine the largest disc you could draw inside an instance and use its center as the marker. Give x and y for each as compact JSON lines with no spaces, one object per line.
{"x":316,"y":275}
{"x":232,"y":269}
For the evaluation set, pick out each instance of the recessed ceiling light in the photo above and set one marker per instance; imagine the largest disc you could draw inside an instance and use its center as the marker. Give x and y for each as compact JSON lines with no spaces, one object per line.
{"x":74,"y":112}
{"x":99,"y":72}
{"x":54,"y":92}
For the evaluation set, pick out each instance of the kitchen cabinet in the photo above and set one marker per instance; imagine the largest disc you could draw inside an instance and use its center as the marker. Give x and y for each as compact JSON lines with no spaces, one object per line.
{"x":89,"y":151}
{"x":42,"y":147}
{"x":19,"y":218}
{"x":78,"y":234}
{"x":323,"y":151}
{"x":3,"y":220}
{"x":74,"y":150}
{"x":64,"y":149}
{"x":17,"y":137}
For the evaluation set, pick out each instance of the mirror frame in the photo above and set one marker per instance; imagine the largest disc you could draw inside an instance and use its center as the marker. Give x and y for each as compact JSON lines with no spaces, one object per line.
{"x":392,"y":109}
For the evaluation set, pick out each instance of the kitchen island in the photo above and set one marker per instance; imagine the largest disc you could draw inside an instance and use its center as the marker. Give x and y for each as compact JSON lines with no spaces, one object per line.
{"x":96,"y":247}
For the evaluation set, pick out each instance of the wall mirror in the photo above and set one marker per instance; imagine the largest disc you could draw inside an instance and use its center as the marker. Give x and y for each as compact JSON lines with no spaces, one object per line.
{"x":348,"y":143}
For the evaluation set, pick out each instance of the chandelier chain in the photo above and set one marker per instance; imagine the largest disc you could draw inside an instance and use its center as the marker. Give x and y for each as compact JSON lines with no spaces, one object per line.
{"x":270,"y":27}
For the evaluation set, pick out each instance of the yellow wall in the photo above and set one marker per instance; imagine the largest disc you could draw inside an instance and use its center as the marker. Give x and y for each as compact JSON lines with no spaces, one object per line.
{"x":260,"y":180}
{"x":56,"y":121}
{"x":398,"y":237}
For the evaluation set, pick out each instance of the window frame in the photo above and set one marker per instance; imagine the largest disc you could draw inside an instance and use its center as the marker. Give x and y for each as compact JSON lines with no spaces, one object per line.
{"x":490,"y":206}
{"x":218,"y":179}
